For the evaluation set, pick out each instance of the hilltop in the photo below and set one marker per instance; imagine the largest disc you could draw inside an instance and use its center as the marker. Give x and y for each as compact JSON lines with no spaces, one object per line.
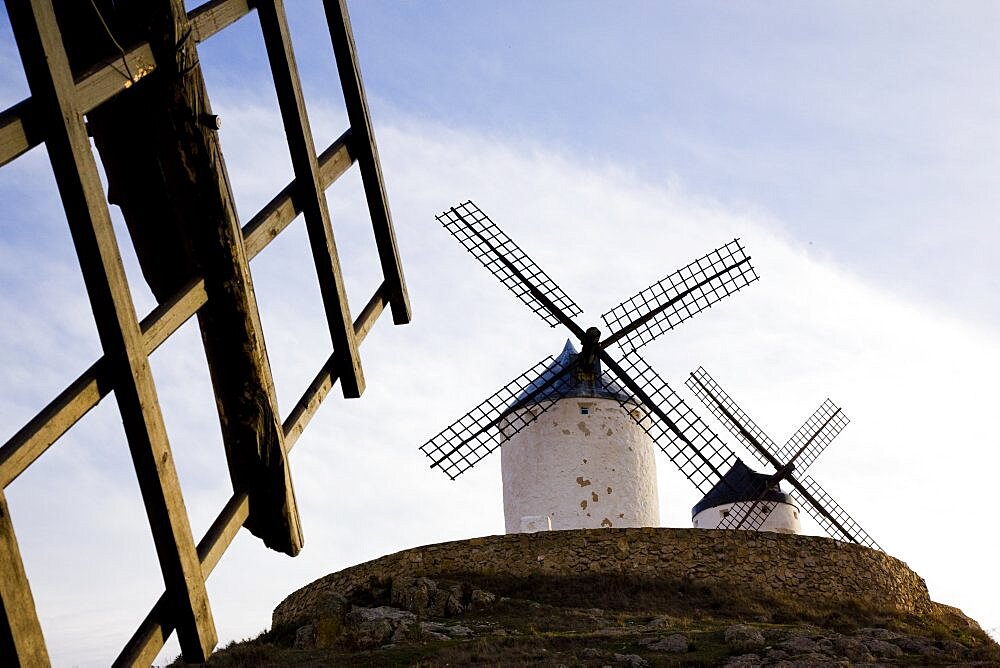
{"x":622,"y":596}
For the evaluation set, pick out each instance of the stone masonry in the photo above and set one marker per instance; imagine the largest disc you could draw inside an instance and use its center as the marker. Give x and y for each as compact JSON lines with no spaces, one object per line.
{"x":813,"y":568}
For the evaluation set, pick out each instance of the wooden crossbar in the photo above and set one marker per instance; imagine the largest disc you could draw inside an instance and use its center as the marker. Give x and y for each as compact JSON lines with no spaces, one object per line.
{"x":311,"y":195}
{"x":220,"y":296}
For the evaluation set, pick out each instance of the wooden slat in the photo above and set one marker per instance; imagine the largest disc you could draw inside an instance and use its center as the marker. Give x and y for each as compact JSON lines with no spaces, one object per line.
{"x":38,"y":435}
{"x":155,"y":629}
{"x":53,"y":89}
{"x":321,"y":385}
{"x":21,"y":640}
{"x":283,"y":209}
{"x":346,"y":55}
{"x":211,"y":17}
{"x":20,"y":130}
{"x":309,"y":193}
{"x":157,"y":626}
{"x":110,"y":77}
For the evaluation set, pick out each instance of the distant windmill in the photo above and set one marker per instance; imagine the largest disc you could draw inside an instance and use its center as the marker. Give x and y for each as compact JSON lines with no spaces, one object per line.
{"x":759,"y":502}
{"x":589,"y":463}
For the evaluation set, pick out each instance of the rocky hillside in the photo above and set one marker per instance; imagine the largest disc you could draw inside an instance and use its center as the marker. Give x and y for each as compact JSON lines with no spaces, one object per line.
{"x":602,"y":619}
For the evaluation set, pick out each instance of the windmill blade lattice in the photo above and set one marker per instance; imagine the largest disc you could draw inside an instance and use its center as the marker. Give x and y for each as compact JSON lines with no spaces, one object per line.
{"x":722,"y":406}
{"x":853,"y":533}
{"x":478,"y":433}
{"x":684,"y":293}
{"x":683,"y":436}
{"x":488,"y":243}
{"x":814,"y":436}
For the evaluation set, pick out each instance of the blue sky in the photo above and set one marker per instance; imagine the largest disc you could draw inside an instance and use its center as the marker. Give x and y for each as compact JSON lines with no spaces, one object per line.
{"x":853,"y":147}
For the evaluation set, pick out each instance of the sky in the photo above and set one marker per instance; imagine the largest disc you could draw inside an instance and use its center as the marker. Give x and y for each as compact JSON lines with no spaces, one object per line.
{"x":853,"y":148}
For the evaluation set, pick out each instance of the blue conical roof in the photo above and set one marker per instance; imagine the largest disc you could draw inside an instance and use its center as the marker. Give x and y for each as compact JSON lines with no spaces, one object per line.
{"x":572,"y":384}
{"x":741,"y":483}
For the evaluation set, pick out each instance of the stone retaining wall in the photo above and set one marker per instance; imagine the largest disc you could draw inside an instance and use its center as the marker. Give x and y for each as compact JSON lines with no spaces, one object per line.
{"x":818,"y":569}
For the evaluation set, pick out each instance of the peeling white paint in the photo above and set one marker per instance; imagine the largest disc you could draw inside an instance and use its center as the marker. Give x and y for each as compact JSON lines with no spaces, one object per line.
{"x":580,"y":470}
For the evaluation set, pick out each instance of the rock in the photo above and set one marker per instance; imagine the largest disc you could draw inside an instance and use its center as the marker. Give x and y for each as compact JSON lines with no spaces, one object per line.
{"x":481,"y":600}
{"x":743,"y":661}
{"x":590,"y":653}
{"x":459,"y":631}
{"x":879,"y":634}
{"x":661,"y":622}
{"x":853,"y":649}
{"x":742,"y":638}
{"x":799,"y":645}
{"x":675,"y":643}
{"x":413,"y":594}
{"x":374,"y":627}
{"x":305,"y":637}
{"x":953,"y":648}
{"x":916,"y":645}
{"x":883,"y":648}
{"x":632,"y":660}
{"x":774,"y":654}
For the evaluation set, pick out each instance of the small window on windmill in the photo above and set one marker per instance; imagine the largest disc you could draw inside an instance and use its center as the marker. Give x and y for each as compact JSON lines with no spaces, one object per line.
{"x":584,"y":411}
{"x":723,"y":513}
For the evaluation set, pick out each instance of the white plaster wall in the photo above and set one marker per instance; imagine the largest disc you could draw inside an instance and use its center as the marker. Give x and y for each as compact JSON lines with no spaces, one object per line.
{"x":582,"y":471}
{"x":784,"y":517}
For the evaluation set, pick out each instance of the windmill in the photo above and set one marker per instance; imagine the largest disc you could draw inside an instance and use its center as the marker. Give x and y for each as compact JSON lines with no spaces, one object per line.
{"x":556,"y":482}
{"x":760,"y":501}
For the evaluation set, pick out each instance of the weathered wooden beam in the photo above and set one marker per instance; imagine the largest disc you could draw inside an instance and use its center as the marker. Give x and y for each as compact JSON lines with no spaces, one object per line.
{"x":21,"y":640}
{"x":310,"y":195}
{"x":32,"y":440}
{"x":174,"y":193}
{"x":53,"y":90}
{"x":211,"y":17}
{"x":346,"y":55}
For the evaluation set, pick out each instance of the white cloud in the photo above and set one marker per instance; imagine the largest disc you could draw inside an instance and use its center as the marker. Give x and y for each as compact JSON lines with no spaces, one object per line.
{"x":914,"y":468}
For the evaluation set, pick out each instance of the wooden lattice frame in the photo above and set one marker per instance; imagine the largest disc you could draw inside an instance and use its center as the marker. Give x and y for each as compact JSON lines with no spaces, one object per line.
{"x":263,"y":499}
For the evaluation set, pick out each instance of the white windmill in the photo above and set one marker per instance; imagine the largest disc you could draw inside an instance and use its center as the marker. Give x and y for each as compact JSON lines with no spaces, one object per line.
{"x":577,"y":431}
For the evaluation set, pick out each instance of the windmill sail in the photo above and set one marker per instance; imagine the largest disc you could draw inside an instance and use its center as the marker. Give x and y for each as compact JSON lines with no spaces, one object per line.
{"x":686,"y":440}
{"x":835,"y":520}
{"x":722,"y":406}
{"x":681,"y":295}
{"x":504,"y":259}
{"x":487,"y":426}
{"x":813,"y":436}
